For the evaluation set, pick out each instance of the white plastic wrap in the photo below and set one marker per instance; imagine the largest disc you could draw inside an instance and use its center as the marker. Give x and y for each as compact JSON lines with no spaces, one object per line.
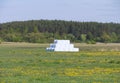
{"x":62,"y":45}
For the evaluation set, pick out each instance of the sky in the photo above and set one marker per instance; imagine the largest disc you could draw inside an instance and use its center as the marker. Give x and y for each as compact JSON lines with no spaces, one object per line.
{"x":69,"y":10}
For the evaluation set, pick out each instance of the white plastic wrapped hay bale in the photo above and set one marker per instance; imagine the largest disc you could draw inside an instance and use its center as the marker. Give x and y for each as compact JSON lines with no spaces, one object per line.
{"x":62,"y":41}
{"x":62,"y":46}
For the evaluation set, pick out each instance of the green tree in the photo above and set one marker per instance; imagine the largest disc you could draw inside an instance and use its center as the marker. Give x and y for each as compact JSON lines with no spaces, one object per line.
{"x":114,"y":37}
{"x":71,"y":37}
{"x":25,"y":30}
{"x":89,"y":36}
{"x":105,"y":37}
{"x":35,"y":29}
{"x":83,"y":37}
{"x":81,"y":31}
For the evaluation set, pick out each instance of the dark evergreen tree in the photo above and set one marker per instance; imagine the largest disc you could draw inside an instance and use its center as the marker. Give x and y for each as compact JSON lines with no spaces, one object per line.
{"x":48,"y":30}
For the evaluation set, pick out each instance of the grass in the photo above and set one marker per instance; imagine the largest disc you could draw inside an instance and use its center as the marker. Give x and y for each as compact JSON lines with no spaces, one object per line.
{"x":30,"y":63}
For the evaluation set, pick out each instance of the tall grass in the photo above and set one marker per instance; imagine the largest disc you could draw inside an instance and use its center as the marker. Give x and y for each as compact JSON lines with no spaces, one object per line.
{"x":30,"y":63}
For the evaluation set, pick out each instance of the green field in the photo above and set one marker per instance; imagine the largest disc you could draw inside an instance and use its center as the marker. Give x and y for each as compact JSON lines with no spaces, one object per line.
{"x":30,"y":63}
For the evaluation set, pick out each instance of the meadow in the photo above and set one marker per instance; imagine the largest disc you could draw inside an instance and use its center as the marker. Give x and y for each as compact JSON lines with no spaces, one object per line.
{"x":30,"y":63}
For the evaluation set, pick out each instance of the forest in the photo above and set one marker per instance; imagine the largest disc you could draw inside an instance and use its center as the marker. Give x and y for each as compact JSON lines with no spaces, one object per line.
{"x":45,"y":31}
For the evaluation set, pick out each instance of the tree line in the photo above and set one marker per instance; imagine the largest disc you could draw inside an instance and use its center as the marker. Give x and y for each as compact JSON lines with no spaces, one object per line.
{"x":45,"y":31}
